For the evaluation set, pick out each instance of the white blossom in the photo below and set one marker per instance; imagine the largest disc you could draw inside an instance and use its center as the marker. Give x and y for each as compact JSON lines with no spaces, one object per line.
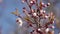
{"x":19,"y":21}
{"x":53,"y":21}
{"x":44,"y":11}
{"x":47,"y":30}
{"x":42,"y":3}
{"x":53,"y":27}
{"x":31,"y":1}
{"x":48,"y":3}
{"x":34,"y":14}
{"x":47,"y":16}
{"x":39,"y":29}
{"x":41,"y":11}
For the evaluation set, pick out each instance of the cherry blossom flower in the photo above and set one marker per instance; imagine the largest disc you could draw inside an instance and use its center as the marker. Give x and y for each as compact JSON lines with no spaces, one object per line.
{"x":47,"y":30}
{"x":34,"y":14}
{"x":43,"y":3}
{"x":48,"y":4}
{"x":39,"y":29}
{"x":19,"y":21}
{"x":31,"y":2}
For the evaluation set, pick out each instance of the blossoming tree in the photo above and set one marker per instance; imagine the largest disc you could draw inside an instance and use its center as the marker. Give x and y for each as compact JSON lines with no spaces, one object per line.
{"x":37,"y":18}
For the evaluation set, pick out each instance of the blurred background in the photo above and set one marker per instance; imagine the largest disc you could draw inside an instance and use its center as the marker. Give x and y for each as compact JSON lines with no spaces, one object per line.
{"x":8,"y":21}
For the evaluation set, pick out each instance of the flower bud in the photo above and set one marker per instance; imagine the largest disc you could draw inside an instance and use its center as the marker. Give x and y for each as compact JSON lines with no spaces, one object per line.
{"x":46,"y":6}
{"x":52,"y":27}
{"x":32,"y":11}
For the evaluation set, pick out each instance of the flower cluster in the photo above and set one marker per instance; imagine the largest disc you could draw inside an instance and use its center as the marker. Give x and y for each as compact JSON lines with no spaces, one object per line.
{"x":43,"y":21}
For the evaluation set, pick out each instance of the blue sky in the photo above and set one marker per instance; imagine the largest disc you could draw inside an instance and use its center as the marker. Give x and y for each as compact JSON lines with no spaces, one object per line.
{"x":7,"y":20}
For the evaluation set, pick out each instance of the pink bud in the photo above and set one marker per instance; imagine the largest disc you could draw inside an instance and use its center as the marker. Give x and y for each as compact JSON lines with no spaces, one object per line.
{"x":46,"y":6}
{"x":32,"y":11}
{"x":53,"y":27}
